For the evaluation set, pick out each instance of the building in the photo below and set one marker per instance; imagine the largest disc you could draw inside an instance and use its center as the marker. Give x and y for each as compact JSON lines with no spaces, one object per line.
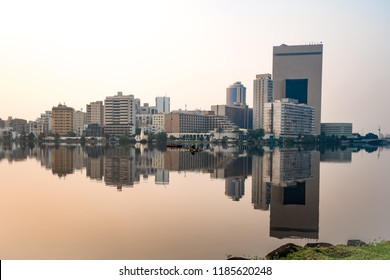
{"x":196,"y":123}
{"x":119,"y":114}
{"x":62,"y":119}
{"x":19,"y":126}
{"x":297,"y":74}
{"x":46,"y":122}
{"x":287,"y":118}
{"x":79,"y":120}
{"x":236,"y":95}
{"x":95,"y":113}
{"x":337,"y":129}
{"x":262,"y":93}
{"x":163,"y":104}
{"x":241,"y":116}
{"x":158,"y":120}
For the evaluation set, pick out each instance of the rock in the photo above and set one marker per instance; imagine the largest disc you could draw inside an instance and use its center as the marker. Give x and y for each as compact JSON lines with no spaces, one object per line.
{"x":283,"y":251}
{"x":355,"y":242}
{"x":237,"y":258}
{"x":318,"y":244}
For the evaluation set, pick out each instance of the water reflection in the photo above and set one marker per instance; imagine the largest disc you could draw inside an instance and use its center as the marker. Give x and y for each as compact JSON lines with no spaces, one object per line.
{"x":285,"y":182}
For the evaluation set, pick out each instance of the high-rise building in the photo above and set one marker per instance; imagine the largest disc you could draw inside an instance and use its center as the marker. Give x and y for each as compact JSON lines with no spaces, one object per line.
{"x":95,"y":113}
{"x":79,"y":120}
{"x":163,"y":104}
{"x":119,"y":114}
{"x":297,"y":74}
{"x":262,"y":93}
{"x":236,"y":95}
{"x":242,"y":116}
{"x":287,"y":118}
{"x":62,"y":119}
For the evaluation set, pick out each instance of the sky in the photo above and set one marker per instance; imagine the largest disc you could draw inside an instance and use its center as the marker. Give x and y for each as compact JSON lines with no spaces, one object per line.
{"x":76,"y":52}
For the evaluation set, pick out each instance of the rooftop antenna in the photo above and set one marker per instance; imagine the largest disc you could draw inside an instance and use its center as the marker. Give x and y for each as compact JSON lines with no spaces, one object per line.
{"x":185,"y":106}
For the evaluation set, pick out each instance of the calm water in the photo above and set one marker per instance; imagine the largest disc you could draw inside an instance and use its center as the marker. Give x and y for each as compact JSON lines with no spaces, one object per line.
{"x":141,"y":203}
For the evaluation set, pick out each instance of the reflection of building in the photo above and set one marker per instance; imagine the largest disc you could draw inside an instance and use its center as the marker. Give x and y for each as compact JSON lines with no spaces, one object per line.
{"x":262,"y":93}
{"x":118,"y":167}
{"x":295,"y":194}
{"x":62,"y":161}
{"x":95,"y":162}
{"x":261,"y":184}
{"x":161,"y":177}
{"x":336,"y":155}
{"x":297,"y":74}
{"x":235,"y":188}
{"x":337,"y":129}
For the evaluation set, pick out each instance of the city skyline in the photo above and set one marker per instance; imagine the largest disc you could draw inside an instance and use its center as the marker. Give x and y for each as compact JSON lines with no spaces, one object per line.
{"x":81,"y":53}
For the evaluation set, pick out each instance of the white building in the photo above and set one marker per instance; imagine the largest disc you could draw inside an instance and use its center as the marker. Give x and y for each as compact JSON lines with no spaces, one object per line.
{"x":297,"y":74}
{"x":287,"y":118}
{"x":262,"y":93}
{"x":79,"y":120}
{"x":337,"y":129}
{"x":163,"y":104}
{"x":119,"y":114}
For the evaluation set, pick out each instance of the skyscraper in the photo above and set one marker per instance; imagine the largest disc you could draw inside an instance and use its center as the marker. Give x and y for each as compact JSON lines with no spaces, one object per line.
{"x":297,"y":74}
{"x":163,"y":104}
{"x":236,"y":95}
{"x":119,"y":114}
{"x":262,"y":93}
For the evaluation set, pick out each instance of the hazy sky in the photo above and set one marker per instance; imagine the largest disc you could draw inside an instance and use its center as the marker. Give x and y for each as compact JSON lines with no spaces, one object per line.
{"x":82,"y":51}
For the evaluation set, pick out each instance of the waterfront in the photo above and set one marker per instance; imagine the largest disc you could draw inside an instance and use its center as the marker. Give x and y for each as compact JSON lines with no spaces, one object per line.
{"x":70,"y":202}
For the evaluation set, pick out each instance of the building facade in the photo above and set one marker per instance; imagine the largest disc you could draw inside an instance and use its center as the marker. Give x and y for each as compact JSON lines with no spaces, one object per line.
{"x":163,"y":104}
{"x":287,"y":118}
{"x":236,"y":95}
{"x":79,"y":120}
{"x":242,"y":116}
{"x":119,"y":114}
{"x":62,"y":119}
{"x":262,"y":93}
{"x":337,"y":129}
{"x":297,"y":74}
{"x":95,"y":113}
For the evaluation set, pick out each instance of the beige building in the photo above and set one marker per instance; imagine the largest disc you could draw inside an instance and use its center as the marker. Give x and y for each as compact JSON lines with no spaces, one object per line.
{"x":79,"y":120}
{"x":62,"y":119}
{"x":119,"y":114}
{"x":95,"y":113}
{"x":262,"y":93}
{"x":297,"y":74}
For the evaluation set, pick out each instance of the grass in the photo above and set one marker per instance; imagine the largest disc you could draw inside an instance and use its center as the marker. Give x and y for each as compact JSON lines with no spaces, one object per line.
{"x":372,"y":251}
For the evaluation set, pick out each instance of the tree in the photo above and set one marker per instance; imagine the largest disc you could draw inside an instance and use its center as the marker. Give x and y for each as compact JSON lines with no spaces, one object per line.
{"x":370,"y":136}
{"x":71,"y":134}
{"x":30,"y":137}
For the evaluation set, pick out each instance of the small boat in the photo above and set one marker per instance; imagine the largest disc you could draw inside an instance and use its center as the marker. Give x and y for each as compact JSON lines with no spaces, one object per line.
{"x":177,"y":146}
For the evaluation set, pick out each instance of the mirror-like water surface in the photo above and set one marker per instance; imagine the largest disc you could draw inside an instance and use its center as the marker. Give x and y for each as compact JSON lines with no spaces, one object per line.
{"x":141,"y":203}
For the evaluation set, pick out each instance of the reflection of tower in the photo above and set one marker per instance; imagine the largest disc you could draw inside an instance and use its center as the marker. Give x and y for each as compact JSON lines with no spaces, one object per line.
{"x":119,"y":167}
{"x":295,"y":194}
{"x":261,"y":184}
{"x":235,"y":188}
{"x":95,"y":162}
{"x":62,"y":161}
{"x":161,"y":177}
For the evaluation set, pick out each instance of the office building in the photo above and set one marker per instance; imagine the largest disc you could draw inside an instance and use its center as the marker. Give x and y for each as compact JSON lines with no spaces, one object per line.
{"x":95,"y":113}
{"x":337,"y":129}
{"x":287,"y":118}
{"x":297,"y":74}
{"x":236,"y":95}
{"x":79,"y":120}
{"x":163,"y":104}
{"x":119,"y":114}
{"x":262,"y":93}
{"x":62,"y":119}
{"x":242,"y":116}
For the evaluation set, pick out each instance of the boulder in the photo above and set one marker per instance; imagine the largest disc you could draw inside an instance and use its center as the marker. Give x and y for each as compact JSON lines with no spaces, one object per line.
{"x":283,"y":251}
{"x":318,"y":244}
{"x":355,"y":242}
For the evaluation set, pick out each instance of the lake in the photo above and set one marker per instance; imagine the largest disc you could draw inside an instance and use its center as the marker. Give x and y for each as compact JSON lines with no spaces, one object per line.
{"x":73,"y":202}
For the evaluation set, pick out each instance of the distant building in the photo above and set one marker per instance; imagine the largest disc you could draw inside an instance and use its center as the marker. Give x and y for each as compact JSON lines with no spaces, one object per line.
{"x":337,"y":129}
{"x":18,"y":125}
{"x":79,"y":120}
{"x":242,"y":116}
{"x":46,"y":122}
{"x":95,"y":113}
{"x":93,"y":130}
{"x":297,"y":74}
{"x":119,"y":114}
{"x":158,"y":120}
{"x":163,"y":104}
{"x":62,"y":119}
{"x":236,"y":95}
{"x":2,"y":123}
{"x":287,"y":118}
{"x":262,"y":93}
